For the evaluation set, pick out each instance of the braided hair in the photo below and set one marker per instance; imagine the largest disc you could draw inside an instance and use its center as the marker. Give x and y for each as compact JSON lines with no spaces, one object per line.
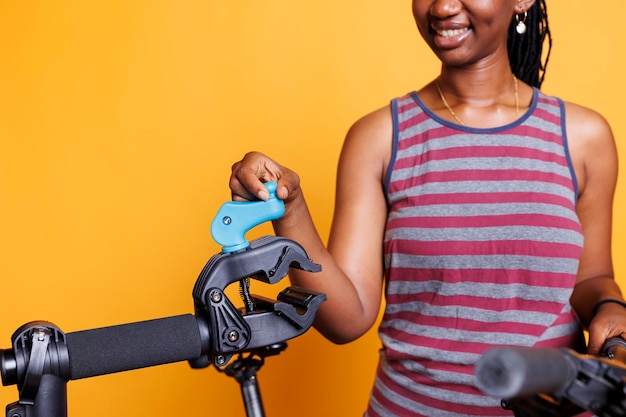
{"x":526,"y":51}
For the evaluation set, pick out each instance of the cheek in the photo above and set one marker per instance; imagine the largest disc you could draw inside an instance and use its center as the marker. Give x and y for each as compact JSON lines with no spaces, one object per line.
{"x":420,"y":15}
{"x":415,"y":12}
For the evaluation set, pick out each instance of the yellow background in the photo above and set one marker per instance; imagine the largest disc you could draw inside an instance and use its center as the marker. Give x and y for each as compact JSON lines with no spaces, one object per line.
{"x":119,"y":121}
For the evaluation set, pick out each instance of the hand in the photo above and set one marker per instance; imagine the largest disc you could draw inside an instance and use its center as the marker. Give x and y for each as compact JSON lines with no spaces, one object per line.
{"x":609,"y":321}
{"x":249,"y":174}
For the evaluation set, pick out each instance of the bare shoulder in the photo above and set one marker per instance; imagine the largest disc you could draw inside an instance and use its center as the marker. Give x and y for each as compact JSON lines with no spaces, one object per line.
{"x":591,"y":143}
{"x":369,"y":141}
{"x":587,"y":124}
{"x":373,"y":125}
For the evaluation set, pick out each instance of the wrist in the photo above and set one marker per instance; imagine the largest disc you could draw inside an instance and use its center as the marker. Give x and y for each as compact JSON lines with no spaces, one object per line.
{"x":296,"y":212}
{"x":600,"y":303}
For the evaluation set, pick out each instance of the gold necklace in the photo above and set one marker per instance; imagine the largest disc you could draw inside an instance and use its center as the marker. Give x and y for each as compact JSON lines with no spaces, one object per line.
{"x":445,"y":102}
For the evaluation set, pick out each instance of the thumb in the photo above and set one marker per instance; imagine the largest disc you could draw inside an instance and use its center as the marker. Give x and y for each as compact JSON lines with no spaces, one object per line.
{"x":596,"y":341}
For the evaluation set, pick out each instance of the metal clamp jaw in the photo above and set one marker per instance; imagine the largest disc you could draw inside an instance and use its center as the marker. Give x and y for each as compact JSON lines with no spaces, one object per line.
{"x":264,"y":322}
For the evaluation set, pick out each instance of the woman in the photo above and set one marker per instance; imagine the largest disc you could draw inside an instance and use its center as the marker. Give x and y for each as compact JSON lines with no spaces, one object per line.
{"x":492,"y":208}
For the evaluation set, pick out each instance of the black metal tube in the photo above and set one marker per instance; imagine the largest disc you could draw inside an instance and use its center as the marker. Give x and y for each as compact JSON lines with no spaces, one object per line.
{"x":252,"y":397}
{"x":51,"y":400}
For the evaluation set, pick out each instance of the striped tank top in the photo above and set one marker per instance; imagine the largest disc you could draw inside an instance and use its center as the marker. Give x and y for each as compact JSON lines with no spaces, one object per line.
{"x":481,"y":249}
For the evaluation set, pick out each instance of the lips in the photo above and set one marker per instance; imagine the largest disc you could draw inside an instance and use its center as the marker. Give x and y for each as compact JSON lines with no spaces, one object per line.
{"x":450,"y":37}
{"x":451,"y":33}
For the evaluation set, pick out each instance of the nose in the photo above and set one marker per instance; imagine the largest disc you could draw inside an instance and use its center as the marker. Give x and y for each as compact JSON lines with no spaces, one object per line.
{"x":442,"y":9}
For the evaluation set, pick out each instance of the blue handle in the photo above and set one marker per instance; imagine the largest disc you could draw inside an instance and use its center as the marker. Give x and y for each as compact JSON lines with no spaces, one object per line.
{"x":234,"y":219}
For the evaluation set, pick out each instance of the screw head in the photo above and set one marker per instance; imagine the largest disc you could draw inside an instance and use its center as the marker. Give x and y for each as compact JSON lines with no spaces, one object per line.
{"x":216,"y":296}
{"x":233,"y":336}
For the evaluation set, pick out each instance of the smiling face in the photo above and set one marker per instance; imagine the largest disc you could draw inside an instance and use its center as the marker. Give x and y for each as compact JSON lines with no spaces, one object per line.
{"x":462,"y":32}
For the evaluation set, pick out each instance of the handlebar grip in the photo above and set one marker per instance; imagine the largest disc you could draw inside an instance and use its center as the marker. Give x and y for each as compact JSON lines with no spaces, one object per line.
{"x":132,"y":346}
{"x":615,"y":348}
{"x":515,"y":372}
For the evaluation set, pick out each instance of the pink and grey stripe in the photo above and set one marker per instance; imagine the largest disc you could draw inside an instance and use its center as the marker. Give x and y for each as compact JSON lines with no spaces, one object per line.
{"x":481,"y":250}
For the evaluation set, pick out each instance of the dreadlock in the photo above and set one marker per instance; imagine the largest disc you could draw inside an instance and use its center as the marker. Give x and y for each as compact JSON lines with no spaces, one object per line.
{"x":528,"y":60}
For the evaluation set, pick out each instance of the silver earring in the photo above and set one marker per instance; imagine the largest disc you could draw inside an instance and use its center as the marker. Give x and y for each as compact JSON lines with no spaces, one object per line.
{"x":521,"y":23}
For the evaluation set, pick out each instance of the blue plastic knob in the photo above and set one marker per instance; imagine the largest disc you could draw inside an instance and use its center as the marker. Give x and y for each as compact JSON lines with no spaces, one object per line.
{"x":234,"y":219}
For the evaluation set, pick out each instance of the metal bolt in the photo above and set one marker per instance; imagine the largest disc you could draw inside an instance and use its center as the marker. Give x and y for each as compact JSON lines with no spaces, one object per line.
{"x":216,"y":296}
{"x":595,"y":406}
{"x":233,"y":336}
{"x":227,"y":220}
{"x":221,"y":360}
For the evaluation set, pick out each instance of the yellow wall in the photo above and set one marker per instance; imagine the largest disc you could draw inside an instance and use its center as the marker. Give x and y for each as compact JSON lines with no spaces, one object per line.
{"x":119,"y":121}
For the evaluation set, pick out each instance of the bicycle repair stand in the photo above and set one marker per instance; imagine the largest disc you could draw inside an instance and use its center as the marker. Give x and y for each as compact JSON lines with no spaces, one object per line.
{"x":43,"y":358}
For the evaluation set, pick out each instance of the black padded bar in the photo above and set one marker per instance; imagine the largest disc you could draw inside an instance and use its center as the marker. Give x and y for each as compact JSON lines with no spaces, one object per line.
{"x":132,"y":346}
{"x":522,"y":371}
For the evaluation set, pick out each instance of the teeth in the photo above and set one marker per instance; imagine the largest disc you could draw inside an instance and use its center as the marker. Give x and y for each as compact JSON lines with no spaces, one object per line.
{"x":451,"y":32}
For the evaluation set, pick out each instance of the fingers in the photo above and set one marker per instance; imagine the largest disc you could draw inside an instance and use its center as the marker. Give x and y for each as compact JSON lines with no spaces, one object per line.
{"x":248,"y":176}
{"x":255,"y":169}
{"x":596,"y":341}
{"x":609,"y":322}
{"x":245,"y":185}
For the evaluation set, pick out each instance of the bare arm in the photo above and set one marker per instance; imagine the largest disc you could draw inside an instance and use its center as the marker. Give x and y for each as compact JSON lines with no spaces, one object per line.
{"x":352,"y":271}
{"x":594,"y":156}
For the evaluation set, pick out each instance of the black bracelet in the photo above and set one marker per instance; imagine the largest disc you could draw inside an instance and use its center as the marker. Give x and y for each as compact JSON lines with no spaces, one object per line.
{"x":608,"y":300}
